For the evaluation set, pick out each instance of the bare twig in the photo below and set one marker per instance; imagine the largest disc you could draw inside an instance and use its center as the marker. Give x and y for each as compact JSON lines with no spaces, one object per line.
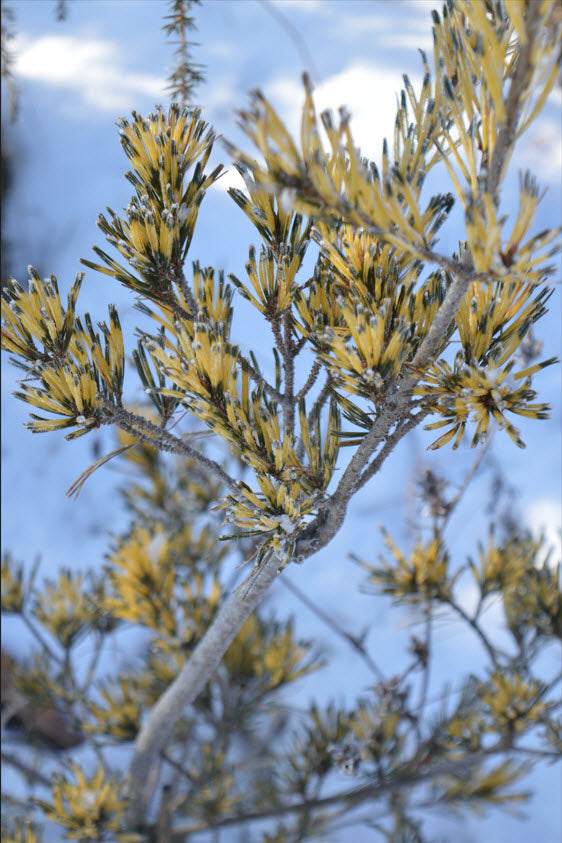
{"x":93,"y":665}
{"x":310,"y":381}
{"x":29,"y":772}
{"x":293,"y":34}
{"x":56,"y":657}
{"x":350,"y":798}
{"x":351,"y":639}
{"x":473,"y":623}
{"x":391,"y":442}
{"x":469,"y":475}
{"x":164,"y":821}
{"x":154,"y":435}
{"x":178,"y":767}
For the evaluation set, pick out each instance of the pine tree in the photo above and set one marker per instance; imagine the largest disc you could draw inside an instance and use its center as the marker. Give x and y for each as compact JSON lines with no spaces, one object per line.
{"x":382,"y":316}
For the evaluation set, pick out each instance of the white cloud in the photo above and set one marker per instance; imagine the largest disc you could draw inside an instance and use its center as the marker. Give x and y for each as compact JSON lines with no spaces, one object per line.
{"x":404,"y":25}
{"x":421,"y":39}
{"x":301,"y":5}
{"x":223,"y":49}
{"x":544,"y":516}
{"x":229,"y":178}
{"x":93,"y":68}
{"x":220,"y":97}
{"x":541,"y":150}
{"x":368,"y":92}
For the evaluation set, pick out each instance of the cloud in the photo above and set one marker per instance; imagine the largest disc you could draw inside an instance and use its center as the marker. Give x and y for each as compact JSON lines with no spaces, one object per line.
{"x":541,"y":150}
{"x":544,"y":516}
{"x":421,"y":39}
{"x":291,"y":6}
{"x":229,"y":178}
{"x":368,"y":91}
{"x":405,"y":25}
{"x":93,"y":68}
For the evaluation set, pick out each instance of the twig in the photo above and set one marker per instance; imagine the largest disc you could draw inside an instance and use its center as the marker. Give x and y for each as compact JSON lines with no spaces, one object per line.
{"x":426,"y":666}
{"x":293,"y":34}
{"x":469,"y":475}
{"x":179,"y":768}
{"x":351,"y":798}
{"x":79,"y":696}
{"x":289,"y":367}
{"x":93,"y":665}
{"x":164,"y":821}
{"x":179,"y":278}
{"x":553,"y":682}
{"x":300,"y":344}
{"x":536,"y":753}
{"x":29,"y":772}
{"x":38,"y":635}
{"x":310,"y":381}
{"x":276,"y":329}
{"x":351,"y":639}
{"x":507,"y":131}
{"x":154,"y":435}
{"x":389,"y":445}
{"x":476,"y":627}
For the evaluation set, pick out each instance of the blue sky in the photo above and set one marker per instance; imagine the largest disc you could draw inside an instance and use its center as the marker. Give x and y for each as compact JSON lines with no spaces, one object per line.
{"x":75,"y":78}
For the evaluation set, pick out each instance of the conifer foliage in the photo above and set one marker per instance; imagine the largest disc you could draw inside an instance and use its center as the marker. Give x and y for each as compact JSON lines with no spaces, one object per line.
{"x":397,"y":334}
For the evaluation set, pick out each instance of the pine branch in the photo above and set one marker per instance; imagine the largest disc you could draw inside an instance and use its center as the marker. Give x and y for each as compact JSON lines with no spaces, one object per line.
{"x":351,"y":798}
{"x":189,"y":682}
{"x":162,"y":439}
{"x":507,"y":131}
{"x":373,"y":467}
{"x":237,"y":609}
{"x":395,"y":417}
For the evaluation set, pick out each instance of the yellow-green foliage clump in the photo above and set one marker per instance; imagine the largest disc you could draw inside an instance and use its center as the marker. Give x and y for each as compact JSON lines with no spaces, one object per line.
{"x":421,"y":576}
{"x":530,"y":585}
{"x":88,"y":809}
{"x":168,"y":154}
{"x":66,"y":357}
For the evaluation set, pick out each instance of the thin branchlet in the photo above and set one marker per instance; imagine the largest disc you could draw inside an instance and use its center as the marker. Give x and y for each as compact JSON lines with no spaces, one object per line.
{"x":310,"y":381}
{"x":162,"y":439}
{"x":187,"y":74}
{"x":289,"y":368}
{"x":261,"y":381}
{"x":374,"y":466}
